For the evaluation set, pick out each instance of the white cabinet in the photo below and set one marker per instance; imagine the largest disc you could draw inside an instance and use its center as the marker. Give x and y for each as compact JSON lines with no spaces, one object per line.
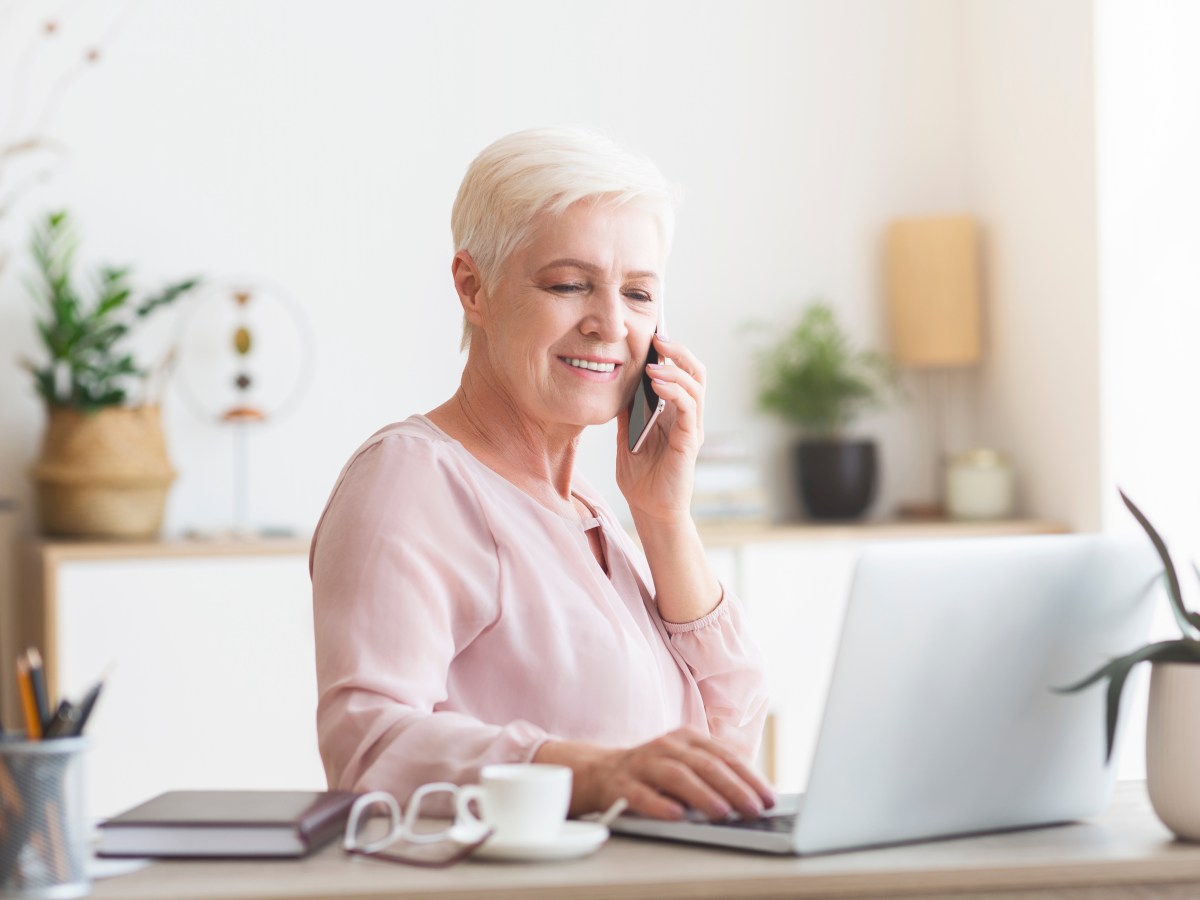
{"x":208,"y":648}
{"x":796,"y":595}
{"x":208,"y":662}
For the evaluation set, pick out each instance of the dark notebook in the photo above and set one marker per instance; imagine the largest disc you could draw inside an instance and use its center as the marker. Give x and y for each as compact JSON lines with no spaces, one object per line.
{"x":227,"y":823}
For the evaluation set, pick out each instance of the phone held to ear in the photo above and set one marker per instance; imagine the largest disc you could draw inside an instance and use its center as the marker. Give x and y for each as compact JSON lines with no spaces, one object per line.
{"x":646,"y":406}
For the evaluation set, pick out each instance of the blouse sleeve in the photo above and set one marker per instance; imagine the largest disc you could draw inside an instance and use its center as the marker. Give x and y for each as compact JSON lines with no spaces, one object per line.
{"x":405,"y":574}
{"x":729,"y":673}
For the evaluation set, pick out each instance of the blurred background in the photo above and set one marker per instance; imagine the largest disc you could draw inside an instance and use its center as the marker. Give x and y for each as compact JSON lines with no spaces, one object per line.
{"x":317,"y":148}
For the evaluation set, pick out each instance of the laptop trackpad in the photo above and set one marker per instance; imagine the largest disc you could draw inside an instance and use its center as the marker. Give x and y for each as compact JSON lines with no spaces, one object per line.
{"x":785,"y":805}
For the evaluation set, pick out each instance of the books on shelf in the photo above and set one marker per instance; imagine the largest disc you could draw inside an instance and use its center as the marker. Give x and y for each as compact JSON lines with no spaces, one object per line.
{"x":227,"y":824}
{"x":728,"y":485}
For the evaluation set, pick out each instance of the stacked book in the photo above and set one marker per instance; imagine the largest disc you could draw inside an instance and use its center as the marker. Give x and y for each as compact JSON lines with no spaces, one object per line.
{"x":728,"y":485}
{"x":227,"y":824}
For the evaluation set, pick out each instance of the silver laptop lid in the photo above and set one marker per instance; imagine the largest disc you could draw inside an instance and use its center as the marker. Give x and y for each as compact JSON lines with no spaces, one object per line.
{"x":940,"y":717}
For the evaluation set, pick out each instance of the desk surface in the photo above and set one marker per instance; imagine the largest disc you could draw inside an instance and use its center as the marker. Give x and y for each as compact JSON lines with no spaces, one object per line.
{"x":1100,"y":858}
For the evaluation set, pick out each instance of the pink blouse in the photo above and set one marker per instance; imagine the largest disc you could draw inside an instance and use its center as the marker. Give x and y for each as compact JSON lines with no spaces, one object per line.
{"x":461,"y":623}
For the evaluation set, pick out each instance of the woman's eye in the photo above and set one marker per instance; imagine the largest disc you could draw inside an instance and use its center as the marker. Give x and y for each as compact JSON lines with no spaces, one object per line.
{"x":640,"y":296}
{"x":572,"y":288}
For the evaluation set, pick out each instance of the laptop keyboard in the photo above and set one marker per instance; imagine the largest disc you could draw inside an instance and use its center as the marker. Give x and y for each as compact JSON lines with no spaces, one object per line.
{"x":783,"y":824}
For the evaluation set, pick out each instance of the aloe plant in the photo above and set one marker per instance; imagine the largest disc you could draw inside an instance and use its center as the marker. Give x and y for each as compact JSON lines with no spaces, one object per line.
{"x":87,"y":367}
{"x":1186,"y":649}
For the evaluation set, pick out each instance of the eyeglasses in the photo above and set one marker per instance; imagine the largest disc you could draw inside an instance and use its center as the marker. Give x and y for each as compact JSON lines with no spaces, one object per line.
{"x":435,"y":850}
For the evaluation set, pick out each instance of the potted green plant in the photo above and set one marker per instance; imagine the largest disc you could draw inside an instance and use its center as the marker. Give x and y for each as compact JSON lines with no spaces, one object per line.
{"x":1173,"y":716}
{"x":815,"y":379}
{"x":103,"y":469}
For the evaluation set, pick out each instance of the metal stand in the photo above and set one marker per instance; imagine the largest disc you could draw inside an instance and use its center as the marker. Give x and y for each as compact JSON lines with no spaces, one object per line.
{"x":241,"y":480}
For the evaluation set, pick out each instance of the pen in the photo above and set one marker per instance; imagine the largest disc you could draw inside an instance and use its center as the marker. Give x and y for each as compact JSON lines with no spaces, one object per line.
{"x":37,"y":675}
{"x":33,"y":724}
{"x":64,"y":721}
{"x":85,"y":708}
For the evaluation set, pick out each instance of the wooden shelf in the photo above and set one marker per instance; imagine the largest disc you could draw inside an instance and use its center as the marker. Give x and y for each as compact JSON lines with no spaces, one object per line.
{"x":57,"y":550}
{"x":736,"y":534}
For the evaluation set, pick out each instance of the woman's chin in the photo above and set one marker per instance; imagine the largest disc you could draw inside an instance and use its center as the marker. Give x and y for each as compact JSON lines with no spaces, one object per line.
{"x":584,"y":417}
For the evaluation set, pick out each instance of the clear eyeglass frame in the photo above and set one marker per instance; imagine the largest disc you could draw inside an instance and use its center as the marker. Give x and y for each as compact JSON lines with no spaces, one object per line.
{"x":402,"y":843}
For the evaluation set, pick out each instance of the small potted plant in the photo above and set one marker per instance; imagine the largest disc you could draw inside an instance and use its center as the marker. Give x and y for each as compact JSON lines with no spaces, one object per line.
{"x":103,"y":469}
{"x":815,"y":379}
{"x":1173,"y":717}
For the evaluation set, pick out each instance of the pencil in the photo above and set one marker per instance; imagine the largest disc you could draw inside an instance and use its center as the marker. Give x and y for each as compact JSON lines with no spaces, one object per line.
{"x":33,"y":723}
{"x":37,"y":674}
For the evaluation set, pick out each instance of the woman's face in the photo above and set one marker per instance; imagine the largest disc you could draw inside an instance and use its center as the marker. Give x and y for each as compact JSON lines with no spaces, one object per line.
{"x":567,"y":324}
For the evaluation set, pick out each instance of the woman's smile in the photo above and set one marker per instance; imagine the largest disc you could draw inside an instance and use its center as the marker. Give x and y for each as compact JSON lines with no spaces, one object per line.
{"x":592,"y":368}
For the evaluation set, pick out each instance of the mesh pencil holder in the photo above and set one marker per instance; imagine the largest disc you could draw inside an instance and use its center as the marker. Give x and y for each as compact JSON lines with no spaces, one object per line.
{"x":43,"y":828}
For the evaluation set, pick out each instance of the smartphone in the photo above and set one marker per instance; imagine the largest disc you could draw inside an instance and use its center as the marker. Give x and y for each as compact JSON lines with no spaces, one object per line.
{"x":646,"y":406}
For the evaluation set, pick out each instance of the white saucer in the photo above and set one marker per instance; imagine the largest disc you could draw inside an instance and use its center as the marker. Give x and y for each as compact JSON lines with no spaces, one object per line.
{"x":576,"y":839}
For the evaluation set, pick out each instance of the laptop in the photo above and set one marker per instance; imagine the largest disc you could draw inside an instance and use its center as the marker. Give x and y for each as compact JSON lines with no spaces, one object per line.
{"x":940,"y":719}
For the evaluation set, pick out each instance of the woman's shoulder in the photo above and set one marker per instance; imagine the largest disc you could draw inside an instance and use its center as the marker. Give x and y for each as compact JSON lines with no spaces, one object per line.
{"x":413,"y":455}
{"x":413,"y":442}
{"x":405,"y":489}
{"x":416,"y":428}
{"x":405,"y":466}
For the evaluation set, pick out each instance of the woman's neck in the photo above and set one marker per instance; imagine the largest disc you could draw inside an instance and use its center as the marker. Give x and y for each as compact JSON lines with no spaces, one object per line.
{"x":537,"y":459}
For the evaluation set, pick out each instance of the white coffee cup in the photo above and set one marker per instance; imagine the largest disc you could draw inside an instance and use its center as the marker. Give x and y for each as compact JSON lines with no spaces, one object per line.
{"x":520,"y":802}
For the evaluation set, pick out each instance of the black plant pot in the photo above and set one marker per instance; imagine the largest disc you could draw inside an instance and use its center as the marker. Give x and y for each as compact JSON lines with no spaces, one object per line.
{"x":837,"y":478}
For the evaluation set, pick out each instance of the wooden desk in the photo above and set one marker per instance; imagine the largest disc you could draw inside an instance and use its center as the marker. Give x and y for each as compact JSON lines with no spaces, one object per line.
{"x":1123,"y":852}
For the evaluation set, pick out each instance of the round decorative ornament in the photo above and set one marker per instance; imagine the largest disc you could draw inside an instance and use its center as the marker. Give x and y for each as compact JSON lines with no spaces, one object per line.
{"x":245,"y":360}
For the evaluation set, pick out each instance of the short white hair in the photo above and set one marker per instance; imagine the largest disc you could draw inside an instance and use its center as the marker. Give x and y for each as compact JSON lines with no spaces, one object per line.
{"x":542,"y":170}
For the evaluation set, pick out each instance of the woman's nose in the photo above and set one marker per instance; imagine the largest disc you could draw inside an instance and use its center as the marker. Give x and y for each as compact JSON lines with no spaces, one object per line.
{"x":605,"y":317}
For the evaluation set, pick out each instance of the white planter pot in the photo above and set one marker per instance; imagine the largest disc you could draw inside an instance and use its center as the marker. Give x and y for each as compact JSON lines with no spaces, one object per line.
{"x":1173,"y":747}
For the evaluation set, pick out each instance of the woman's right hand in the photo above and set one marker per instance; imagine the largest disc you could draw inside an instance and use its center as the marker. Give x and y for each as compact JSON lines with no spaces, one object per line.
{"x":662,"y":778}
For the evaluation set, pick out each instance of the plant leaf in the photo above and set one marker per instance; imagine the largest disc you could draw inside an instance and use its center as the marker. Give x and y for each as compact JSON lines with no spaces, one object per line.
{"x":82,"y":331}
{"x":1117,"y":671}
{"x":814,"y":378}
{"x":1188,"y":621}
{"x":167,"y":295}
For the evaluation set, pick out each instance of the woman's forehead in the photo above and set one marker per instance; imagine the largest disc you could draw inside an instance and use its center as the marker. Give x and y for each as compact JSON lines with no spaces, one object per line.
{"x":600,"y":237}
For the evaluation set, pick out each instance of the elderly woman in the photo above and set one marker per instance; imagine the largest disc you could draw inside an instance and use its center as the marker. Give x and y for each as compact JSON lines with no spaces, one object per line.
{"x":475,"y":600}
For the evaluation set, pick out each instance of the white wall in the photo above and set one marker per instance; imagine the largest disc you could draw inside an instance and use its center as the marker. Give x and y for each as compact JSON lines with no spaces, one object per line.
{"x":1148,"y":141}
{"x":1032,"y":182}
{"x":319,"y":146}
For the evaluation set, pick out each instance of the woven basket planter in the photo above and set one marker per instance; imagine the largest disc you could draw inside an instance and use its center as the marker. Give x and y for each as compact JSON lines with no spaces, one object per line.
{"x":103,"y":474}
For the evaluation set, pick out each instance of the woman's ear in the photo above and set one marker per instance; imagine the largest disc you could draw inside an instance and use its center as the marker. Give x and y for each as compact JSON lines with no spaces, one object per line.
{"x":468,"y":281}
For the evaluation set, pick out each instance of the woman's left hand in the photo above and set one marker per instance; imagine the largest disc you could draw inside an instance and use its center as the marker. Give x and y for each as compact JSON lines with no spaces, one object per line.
{"x":657,"y":480}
